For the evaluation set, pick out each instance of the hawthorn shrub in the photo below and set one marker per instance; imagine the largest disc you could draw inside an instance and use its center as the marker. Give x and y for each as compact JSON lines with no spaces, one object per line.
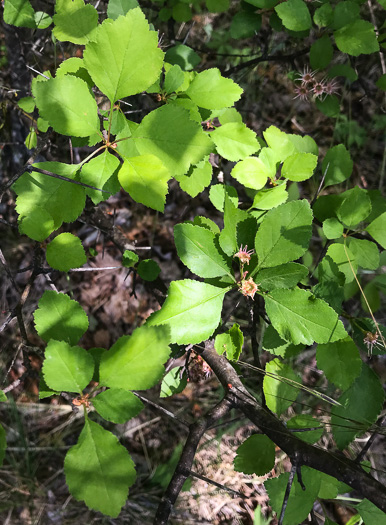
{"x":260,"y":254}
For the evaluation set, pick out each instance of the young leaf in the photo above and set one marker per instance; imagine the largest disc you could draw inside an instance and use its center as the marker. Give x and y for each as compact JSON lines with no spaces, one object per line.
{"x":67,"y":368}
{"x":192,"y":311}
{"x":357,"y":38}
{"x":279,"y":394}
{"x":248,"y":172}
{"x":337,"y":165}
{"x":26,"y":103}
{"x":174,"y":382}
{"x":234,"y":141}
{"x":19,"y":13}
{"x":170,"y":135}
{"x":197,"y":250}
{"x":299,"y":166}
{"x":173,"y":79}
{"x":217,"y":195}
{"x":340,"y":361}
{"x":300,"y":318}
{"x":129,"y":258}
{"x":74,"y":21}
{"x":117,"y":405}
{"x":284,"y":276}
{"x":97,"y":172}
{"x":59,"y":317}
{"x":295,"y":15}
{"x":255,"y":456}
{"x":377,"y":229}
{"x":67,"y":104}
{"x":230,"y":342}
{"x":284,"y":234}
{"x":279,"y":142}
{"x":360,"y":407}
{"x":270,"y":198}
{"x":132,"y":48}
{"x":99,"y":470}
{"x":210,"y":90}
{"x":239,"y":228}
{"x":65,"y":252}
{"x":136,"y":362}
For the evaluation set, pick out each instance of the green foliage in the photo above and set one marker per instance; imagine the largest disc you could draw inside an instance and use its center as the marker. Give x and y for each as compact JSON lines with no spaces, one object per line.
{"x":66,"y":252}
{"x":230,"y":342}
{"x":250,"y":458}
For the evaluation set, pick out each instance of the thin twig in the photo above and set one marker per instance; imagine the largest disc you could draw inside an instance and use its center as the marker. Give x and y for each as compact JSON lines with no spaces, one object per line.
{"x":61,"y":177}
{"x":287,"y":493}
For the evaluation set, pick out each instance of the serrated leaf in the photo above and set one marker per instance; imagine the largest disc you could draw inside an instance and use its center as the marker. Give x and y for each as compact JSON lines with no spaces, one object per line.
{"x":361,"y":405}
{"x":357,"y":38}
{"x":234,"y":141}
{"x":248,"y":172}
{"x":145,"y":179}
{"x":279,"y":394}
{"x":303,"y":421}
{"x":274,"y":344}
{"x":284,"y":234}
{"x":365,"y":252}
{"x":356,"y":206}
{"x":331,"y":282}
{"x":129,"y":258}
{"x":136,"y":362}
{"x":128,"y":43}
{"x":174,"y":382}
{"x":170,"y":135}
{"x":217,"y":195}
{"x":173,"y":79}
{"x":74,"y":21}
{"x":182,"y":55}
{"x":230,"y":342}
{"x":65,"y":252}
{"x":38,"y":224}
{"x":197,"y":179}
{"x":300,"y":501}
{"x":197,"y":250}
{"x":19,"y":13}
{"x":255,"y":456}
{"x":284,"y":276}
{"x":67,"y":104}
{"x":36,"y":191}
{"x":300,"y":318}
{"x":324,"y":15}
{"x":99,"y":470}
{"x":210,"y":90}
{"x":117,"y":405}
{"x":337,"y":165}
{"x":192,"y":311}
{"x":239,"y":229}
{"x":281,"y":143}
{"x":340,"y":361}
{"x":59,"y":317}
{"x":117,"y":8}
{"x":97,"y":172}
{"x":270,"y":197}
{"x":377,"y":229}
{"x":332,"y":228}
{"x":67,"y":368}
{"x":341,"y":255}
{"x":295,"y":15}
{"x":299,"y":166}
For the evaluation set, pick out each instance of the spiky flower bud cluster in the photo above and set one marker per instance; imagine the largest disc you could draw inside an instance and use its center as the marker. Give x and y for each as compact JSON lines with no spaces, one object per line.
{"x":310,"y":87}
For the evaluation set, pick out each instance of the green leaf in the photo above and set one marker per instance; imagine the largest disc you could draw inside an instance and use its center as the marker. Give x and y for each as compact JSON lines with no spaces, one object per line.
{"x":148,"y":270}
{"x":67,"y":368}
{"x":321,"y":52}
{"x":356,"y":206}
{"x":239,"y":228}
{"x":19,"y":13}
{"x":377,"y":229}
{"x":332,"y":228}
{"x":3,"y":444}
{"x":365,"y":252}
{"x":38,"y":224}
{"x":284,"y":234}
{"x":282,"y":144}
{"x":182,"y":55}
{"x":299,"y":167}
{"x":174,"y":382}
{"x":295,"y":15}
{"x":340,"y":361}
{"x":300,"y":501}
{"x":234,"y":141}
{"x":331,"y":281}
{"x":117,"y":8}
{"x":357,"y":38}
{"x":65,"y":252}
{"x":37,"y":191}
{"x":132,"y":48}
{"x":42,"y":20}
{"x":279,"y":394}
{"x":197,"y":250}
{"x":129,"y":258}
{"x":192,"y":311}
{"x":27,"y":104}
{"x":341,"y":255}
{"x":145,"y":179}
{"x":361,"y":405}
{"x":59,"y":317}
{"x":117,"y":405}
{"x":99,"y":470}
{"x":271,"y":197}
{"x":274,"y":344}
{"x":248,"y":173}
{"x":324,"y":15}
{"x":381,"y":82}
{"x":345,"y":13}
{"x":217,"y":195}
{"x":44,"y":390}
{"x":74,"y":21}
{"x":329,"y":489}
{"x":303,"y":421}
{"x":197,"y":178}
{"x":173,"y":79}
{"x":255,"y":456}
{"x":337,"y":165}
{"x":329,"y":105}
{"x":284,"y":276}
{"x":3,"y":397}
{"x":217,"y":6}
{"x":97,"y":172}
{"x":136,"y":362}
{"x":210,"y":90}
{"x":170,"y":135}
{"x":245,"y":24}
{"x":230,"y":342}
{"x":299,"y":317}
{"x":31,"y":140}
{"x":343,"y":70}
{"x":370,"y":513}
{"x":67,"y":104}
